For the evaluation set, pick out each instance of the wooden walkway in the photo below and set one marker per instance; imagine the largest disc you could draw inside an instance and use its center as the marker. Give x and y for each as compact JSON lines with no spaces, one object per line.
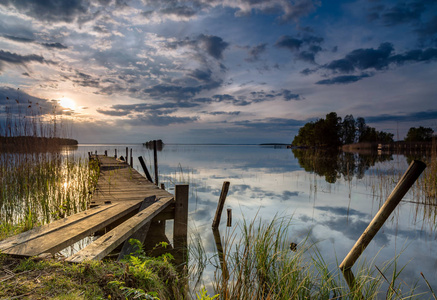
{"x":124,"y":205}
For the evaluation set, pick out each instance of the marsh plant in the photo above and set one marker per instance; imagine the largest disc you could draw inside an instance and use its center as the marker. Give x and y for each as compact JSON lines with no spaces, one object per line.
{"x":37,"y":188}
{"x":259,"y":262}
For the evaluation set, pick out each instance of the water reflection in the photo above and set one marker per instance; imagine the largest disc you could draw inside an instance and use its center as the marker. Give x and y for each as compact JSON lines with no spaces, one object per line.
{"x":331,"y":198}
{"x":333,"y":164}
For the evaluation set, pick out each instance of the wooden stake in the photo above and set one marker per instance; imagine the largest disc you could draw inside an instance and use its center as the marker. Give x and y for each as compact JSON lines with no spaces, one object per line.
{"x":229,"y":220}
{"x":127,"y":155}
{"x":131,"y":159}
{"x":221,"y":203}
{"x":414,"y":170}
{"x":155,"y":157}
{"x":143,"y":165}
{"x":115,"y":153}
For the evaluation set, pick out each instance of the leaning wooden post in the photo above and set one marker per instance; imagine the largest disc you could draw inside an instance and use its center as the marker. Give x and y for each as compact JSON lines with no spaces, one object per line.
{"x":221,"y":203}
{"x":143,"y":165}
{"x":180,"y":224}
{"x":155,"y":158}
{"x":414,"y":170}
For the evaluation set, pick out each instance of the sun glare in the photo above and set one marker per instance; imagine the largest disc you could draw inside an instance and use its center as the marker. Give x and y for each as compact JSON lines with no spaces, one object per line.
{"x":67,"y":103}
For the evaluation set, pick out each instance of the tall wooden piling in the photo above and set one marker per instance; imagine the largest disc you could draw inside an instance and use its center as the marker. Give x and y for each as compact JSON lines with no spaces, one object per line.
{"x":155,"y":159}
{"x":131,"y":159}
{"x":127,"y":155}
{"x":414,"y":170}
{"x":221,"y":203}
{"x":180,"y":225}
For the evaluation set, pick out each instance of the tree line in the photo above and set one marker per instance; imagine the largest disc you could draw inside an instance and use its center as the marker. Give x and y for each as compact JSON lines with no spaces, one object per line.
{"x":334,"y":132}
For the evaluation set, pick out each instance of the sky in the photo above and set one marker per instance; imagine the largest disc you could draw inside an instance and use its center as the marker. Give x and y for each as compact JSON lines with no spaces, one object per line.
{"x":209,"y":71}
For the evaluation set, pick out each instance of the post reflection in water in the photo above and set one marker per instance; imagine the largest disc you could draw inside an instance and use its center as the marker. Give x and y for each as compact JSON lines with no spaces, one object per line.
{"x":330,"y":196}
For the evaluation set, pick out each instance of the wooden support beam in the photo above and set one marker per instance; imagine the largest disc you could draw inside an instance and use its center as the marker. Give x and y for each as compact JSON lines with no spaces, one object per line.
{"x":140,"y":235}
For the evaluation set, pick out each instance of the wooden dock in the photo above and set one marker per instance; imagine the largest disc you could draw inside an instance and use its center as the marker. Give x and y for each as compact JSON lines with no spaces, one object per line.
{"x":124,"y":205}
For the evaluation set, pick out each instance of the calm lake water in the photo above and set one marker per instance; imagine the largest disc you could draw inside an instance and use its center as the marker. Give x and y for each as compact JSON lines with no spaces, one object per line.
{"x":331,"y":199}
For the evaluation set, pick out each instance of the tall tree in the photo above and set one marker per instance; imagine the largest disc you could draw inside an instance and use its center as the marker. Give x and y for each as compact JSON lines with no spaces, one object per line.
{"x":349,"y":131}
{"x":421,"y":134}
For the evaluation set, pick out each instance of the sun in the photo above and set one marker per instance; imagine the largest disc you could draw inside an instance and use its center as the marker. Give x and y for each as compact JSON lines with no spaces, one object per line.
{"x":67,"y":103}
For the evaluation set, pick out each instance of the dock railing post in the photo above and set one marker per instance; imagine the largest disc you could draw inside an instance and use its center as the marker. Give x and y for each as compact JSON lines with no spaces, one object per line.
{"x":414,"y":170}
{"x":155,"y":158}
{"x":127,"y":155}
{"x":221,"y":203}
{"x":131,"y":159}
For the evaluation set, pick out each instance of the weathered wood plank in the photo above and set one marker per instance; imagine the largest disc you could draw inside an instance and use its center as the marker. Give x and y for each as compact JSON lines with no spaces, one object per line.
{"x":56,"y":225}
{"x":140,"y":235}
{"x":108,"y":242}
{"x":59,"y":239}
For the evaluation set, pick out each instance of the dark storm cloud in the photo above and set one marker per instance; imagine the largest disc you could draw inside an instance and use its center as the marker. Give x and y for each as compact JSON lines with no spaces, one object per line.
{"x":51,"y":10}
{"x":18,"y":39}
{"x":54,"y":46}
{"x":401,"y":12}
{"x":158,"y":120}
{"x":17,"y":59}
{"x":363,"y":59}
{"x":378,"y":59}
{"x":28,"y":40}
{"x":155,"y":109}
{"x":304,"y":48}
{"x":255,"y":52}
{"x":213,"y":45}
{"x":18,"y":100}
{"x":180,"y":11}
{"x":345,"y":79}
{"x":411,"y":117}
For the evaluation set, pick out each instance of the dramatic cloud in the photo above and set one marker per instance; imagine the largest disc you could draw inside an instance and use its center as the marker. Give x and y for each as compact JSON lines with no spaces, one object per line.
{"x":51,"y":10}
{"x":343,"y":79}
{"x":305,"y":49}
{"x":17,"y":59}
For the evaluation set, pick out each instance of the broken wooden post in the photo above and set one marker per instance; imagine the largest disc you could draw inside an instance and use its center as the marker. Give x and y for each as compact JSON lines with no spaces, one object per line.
{"x":115,"y":153}
{"x":221,"y":203}
{"x":143,"y":165}
{"x":414,"y":170}
{"x":180,"y":225}
{"x":106,"y":152}
{"x":155,"y":159}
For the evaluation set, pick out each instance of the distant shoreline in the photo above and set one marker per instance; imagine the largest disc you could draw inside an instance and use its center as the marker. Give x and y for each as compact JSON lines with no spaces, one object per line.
{"x":36,"y":141}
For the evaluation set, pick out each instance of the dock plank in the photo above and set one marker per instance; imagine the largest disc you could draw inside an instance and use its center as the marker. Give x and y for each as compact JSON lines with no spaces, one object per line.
{"x":108,"y":242}
{"x":57,"y":240}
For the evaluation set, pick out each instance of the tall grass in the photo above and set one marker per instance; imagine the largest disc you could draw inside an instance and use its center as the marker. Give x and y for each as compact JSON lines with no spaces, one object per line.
{"x":37,"y":188}
{"x":259,"y":264}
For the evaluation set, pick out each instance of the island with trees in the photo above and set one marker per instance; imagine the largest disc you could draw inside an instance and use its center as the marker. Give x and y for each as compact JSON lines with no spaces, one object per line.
{"x":354,"y":134}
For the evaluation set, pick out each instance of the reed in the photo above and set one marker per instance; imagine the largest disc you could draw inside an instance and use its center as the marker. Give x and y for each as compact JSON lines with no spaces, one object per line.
{"x":261,"y":265}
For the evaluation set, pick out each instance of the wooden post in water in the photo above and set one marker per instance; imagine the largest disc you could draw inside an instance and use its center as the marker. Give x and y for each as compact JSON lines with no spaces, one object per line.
{"x":131,"y":159}
{"x":106,"y":152}
{"x":220,"y":253}
{"x":143,"y":165}
{"x":221,"y":203}
{"x":127,"y":155}
{"x":180,"y":225}
{"x":414,"y":170}
{"x":229,"y":220}
{"x":115,"y":153}
{"x":155,"y":159}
